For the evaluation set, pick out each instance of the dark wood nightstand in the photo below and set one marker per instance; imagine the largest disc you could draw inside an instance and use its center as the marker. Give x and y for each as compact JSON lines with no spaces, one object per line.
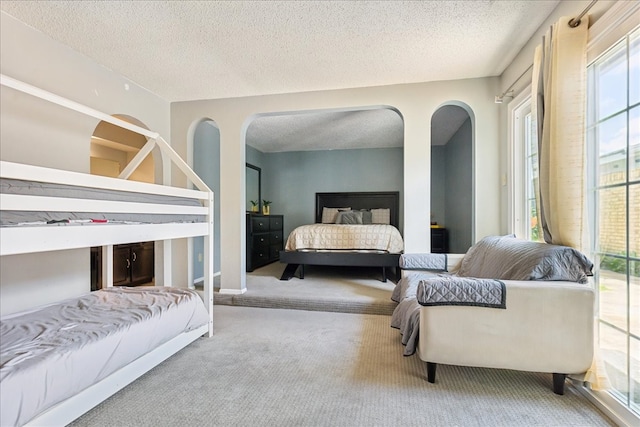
{"x":439,"y":240}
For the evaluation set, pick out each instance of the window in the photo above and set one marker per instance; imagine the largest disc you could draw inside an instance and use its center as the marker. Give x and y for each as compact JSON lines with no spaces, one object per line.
{"x":524,"y":170}
{"x":534,"y":231}
{"x":613,"y":140}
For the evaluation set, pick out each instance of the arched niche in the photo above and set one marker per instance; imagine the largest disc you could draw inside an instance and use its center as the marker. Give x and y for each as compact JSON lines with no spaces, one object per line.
{"x":111,"y":150}
{"x":204,"y":158}
{"x":113,"y":147}
{"x":452,"y":180}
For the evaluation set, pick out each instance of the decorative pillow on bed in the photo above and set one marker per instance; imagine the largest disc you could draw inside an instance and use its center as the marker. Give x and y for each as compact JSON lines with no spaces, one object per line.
{"x":381,"y":216}
{"x":329,"y":215}
{"x":349,"y":217}
{"x":510,"y":258}
{"x":366,"y":216}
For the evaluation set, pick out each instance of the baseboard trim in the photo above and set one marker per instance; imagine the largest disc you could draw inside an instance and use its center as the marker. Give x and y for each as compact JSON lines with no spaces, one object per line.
{"x":232,"y":291}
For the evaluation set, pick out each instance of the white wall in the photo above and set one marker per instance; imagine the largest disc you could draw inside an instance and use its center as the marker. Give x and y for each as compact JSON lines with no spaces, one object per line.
{"x":36,"y":132}
{"x":416,"y":103}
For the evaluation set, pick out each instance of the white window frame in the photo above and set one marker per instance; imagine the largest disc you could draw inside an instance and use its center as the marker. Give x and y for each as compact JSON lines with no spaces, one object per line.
{"x":614,"y":25}
{"x":519,"y":106}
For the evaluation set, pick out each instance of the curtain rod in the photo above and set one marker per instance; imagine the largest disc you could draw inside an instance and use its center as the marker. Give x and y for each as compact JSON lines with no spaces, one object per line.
{"x":573,"y":23}
{"x":500,"y":98}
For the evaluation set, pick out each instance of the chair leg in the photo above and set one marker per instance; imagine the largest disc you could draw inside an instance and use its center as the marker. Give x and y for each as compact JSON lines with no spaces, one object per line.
{"x":431,"y":372}
{"x":558,"y":383}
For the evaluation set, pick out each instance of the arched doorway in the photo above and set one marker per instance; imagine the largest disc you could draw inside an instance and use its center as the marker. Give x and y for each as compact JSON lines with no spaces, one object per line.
{"x":341,"y":149}
{"x":452,"y":198}
{"x":300,"y":153}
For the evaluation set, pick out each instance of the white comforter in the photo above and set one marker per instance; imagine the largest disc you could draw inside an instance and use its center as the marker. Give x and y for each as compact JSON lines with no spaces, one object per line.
{"x":51,"y":353}
{"x":378,"y":237}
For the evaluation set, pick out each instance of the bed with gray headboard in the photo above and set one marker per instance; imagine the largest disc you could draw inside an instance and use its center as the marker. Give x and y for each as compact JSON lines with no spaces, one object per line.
{"x":374,"y":241}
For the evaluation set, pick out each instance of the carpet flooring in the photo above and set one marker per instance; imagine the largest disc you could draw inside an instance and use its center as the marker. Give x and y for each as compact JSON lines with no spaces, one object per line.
{"x":286,"y":367}
{"x":337,"y":289}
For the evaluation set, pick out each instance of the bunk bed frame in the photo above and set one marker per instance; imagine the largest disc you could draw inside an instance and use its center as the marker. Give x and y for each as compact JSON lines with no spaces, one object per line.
{"x":37,"y":238}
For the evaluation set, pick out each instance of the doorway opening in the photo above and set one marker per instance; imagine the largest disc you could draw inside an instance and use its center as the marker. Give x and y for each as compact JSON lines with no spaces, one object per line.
{"x":452,"y":198}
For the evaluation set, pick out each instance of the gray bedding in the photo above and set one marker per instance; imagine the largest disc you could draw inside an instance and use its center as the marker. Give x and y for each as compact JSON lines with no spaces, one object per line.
{"x":34,"y":188}
{"x":52,"y":218}
{"x":406,"y":315}
{"x":53,"y":352}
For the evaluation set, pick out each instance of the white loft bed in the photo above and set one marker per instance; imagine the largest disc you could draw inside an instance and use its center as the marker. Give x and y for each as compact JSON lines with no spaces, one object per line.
{"x":34,"y":238}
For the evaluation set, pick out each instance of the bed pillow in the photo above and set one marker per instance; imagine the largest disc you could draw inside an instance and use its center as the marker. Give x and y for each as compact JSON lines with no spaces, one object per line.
{"x":349,"y":217}
{"x":366,"y":216}
{"x":329,"y":214}
{"x":381,"y":216}
{"x":510,"y":258}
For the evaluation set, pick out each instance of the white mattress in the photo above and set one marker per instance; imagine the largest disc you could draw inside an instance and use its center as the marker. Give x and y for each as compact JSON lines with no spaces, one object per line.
{"x":51,"y":353}
{"x":378,"y":237}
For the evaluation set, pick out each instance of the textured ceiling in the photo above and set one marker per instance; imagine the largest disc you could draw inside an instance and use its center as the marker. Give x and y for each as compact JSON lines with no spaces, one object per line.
{"x":188,"y":50}
{"x":376,"y":128}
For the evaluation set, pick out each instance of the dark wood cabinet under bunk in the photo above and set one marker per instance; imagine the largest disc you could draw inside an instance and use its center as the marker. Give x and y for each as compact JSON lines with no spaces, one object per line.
{"x":133,"y":264}
{"x":264,"y":239}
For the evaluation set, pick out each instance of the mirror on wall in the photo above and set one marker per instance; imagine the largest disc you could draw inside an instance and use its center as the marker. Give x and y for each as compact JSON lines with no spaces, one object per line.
{"x":253,"y":188}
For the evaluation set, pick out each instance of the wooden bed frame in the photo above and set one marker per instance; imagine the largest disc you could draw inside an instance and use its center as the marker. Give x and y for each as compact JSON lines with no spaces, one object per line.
{"x":355,"y":200}
{"x":33,"y":238}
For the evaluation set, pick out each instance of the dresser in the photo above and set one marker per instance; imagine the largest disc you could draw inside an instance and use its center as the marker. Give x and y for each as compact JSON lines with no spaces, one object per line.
{"x":439,"y":240}
{"x":264,"y":239}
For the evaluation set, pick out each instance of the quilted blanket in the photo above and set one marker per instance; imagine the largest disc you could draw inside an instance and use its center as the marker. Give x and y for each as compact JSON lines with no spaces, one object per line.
{"x":424,"y":261}
{"x":454,"y":290}
{"x":418,"y":289}
{"x":378,"y":237}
